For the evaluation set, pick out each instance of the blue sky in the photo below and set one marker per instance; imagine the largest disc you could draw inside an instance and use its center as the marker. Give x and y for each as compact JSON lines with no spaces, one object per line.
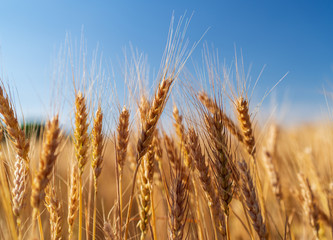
{"x":286,"y":36}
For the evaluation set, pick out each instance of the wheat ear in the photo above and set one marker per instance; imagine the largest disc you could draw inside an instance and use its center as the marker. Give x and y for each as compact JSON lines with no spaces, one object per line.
{"x":54,"y":207}
{"x":21,"y":145}
{"x":172,"y":152}
{"x":183,"y":145}
{"x":108,"y":231}
{"x":81,"y":132}
{"x":81,"y":139}
{"x":19,"y":190}
{"x":178,"y":205}
{"x":46,"y":165}
{"x":97,"y":145}
{"x":147,"y":133}
{"x":122,"y":138}
{"x":221,"y":158}
{"x":268,"y":155}
{"x":242,"y":107}
{"x":252,"y":201}
{"x":244,"y":119}
{"x":143,"y":108}
{"x":97,"y":157}
{"x":46,"y":162}
{"x":73,"y":199}
{"x":310,"y":205}
{"x":154,"y":113}
{"x":121,"y":154}
{"x":212,"y":107}
{"x":12,"y":126}
{"x":206,"y":183}
{"x":181,"y":133}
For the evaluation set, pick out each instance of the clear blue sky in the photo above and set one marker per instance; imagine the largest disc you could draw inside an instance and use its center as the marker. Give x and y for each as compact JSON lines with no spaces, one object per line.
{"x":287,"y":36}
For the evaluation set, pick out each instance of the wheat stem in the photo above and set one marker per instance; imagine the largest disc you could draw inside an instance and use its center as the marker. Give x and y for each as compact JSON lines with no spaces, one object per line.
{"x":121,"y":154}
{"x":97,"y":157}
{"x":81,"y":146}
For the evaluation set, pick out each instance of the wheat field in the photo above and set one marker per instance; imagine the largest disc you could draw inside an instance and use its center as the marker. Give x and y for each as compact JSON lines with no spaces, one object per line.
{"x":184,"y":162}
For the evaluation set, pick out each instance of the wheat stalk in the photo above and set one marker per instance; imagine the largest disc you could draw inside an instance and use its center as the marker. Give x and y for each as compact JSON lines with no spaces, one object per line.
{"x":46,"y":165}
{"x":81,"y":139}
{"x":97,"y":157}
{"x":147,"y":133}
{"x":121,"y":153}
